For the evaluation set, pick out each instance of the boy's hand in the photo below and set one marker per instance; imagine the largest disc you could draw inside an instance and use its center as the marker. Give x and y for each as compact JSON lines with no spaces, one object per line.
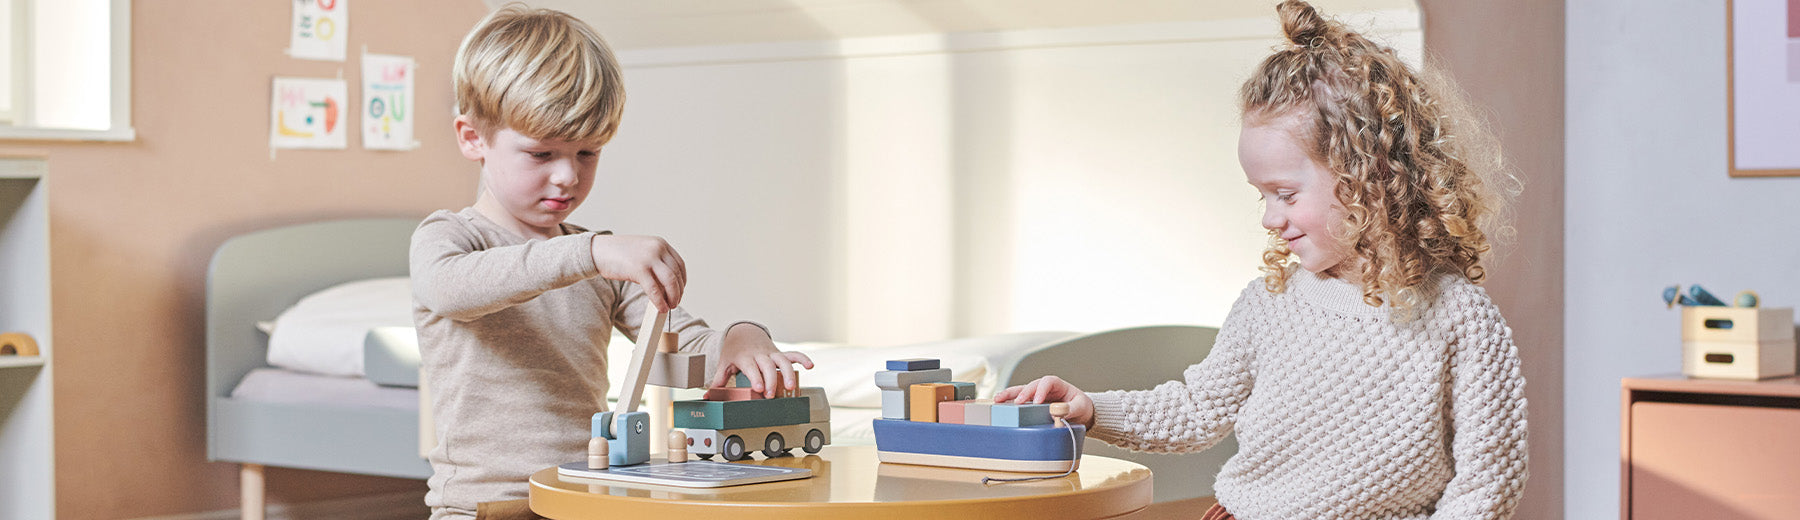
{"x":749,"y":350}
{"x":645,"y":260}
{"x":1052,"y":389}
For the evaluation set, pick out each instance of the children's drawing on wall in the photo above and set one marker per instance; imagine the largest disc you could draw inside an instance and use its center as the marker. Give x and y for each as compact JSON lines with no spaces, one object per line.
{"x":320,"y":30}
{"x":307,"y":113}
{"x":387,"y":106}
{"x":1765,"y":87}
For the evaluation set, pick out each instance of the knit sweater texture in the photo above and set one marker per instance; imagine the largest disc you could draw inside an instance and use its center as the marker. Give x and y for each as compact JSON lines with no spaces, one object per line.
{"x":1343,"y":412}
{"x":512,"y":336}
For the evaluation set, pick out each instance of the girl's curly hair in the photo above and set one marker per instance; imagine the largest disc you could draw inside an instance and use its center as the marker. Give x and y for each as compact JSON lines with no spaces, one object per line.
{"x":1422,"y":182}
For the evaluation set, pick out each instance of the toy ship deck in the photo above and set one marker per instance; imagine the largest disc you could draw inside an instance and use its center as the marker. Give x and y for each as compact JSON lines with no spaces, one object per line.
{"x":1033,"y":449}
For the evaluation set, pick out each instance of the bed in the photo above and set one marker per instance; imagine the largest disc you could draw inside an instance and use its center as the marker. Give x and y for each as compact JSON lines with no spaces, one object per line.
{"x":256,"y":276}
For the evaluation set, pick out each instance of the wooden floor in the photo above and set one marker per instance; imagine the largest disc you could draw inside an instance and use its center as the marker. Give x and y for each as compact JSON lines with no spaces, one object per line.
{"x":1190,"y":509}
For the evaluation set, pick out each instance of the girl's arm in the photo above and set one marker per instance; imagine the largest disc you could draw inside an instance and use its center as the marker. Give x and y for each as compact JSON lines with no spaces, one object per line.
{"x":1192,"y":414}
{"x":1488,"y":420}
{"x":454,"y":278}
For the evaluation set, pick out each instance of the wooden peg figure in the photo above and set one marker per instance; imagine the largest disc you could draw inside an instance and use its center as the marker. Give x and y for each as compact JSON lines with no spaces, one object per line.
{"x":598,"y":454}
{"x":677,"y":446}
{"x":1057,"y":412}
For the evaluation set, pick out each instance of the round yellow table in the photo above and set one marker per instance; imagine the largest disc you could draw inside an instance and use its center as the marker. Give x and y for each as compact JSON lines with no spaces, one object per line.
{"x":849,"y":482}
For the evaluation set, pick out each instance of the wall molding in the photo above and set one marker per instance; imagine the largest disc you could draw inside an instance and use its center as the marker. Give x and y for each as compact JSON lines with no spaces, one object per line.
{"x":1384,"y":21}
{"x":392,"y":506}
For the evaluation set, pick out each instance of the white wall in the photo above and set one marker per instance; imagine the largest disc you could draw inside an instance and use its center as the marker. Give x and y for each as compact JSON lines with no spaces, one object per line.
{"x":1649,"y":204}
{"x":886,"y":190}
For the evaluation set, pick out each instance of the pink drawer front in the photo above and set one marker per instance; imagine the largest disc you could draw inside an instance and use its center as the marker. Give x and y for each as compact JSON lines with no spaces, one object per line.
{"x":1711,"y":461}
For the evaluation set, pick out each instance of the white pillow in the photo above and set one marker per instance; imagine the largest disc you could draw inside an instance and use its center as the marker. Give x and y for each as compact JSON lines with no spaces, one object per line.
{"x":323,"y":332}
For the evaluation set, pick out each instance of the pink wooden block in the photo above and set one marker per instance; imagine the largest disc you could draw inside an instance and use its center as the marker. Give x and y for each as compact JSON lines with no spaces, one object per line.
{"x":951,"y":412}
{"x":731,"y":393}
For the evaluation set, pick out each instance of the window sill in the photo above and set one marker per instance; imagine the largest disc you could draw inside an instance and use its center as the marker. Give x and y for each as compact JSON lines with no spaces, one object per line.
{"x":121,"y":135}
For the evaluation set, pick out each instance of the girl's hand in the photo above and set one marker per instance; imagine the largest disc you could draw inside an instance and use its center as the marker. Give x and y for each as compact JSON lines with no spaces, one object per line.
{"x":1052,"y":389}
{"x":645,"y":260}
{"x":748,"y":350}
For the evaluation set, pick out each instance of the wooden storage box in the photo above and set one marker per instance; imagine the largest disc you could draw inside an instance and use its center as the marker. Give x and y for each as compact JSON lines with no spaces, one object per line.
{"x":1748,"y":360}
{"x":1737,"y":342}
{"x":1744,"y":324}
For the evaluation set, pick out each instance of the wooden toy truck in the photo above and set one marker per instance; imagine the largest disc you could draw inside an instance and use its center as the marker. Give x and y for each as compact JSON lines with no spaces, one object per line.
{"x":732,"y":429}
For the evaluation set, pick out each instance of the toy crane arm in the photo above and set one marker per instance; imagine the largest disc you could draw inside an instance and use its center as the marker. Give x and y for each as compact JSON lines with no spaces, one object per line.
{"x":638,"y":373}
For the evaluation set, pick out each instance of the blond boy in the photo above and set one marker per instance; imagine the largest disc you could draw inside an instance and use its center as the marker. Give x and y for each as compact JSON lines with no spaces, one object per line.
{"x":514,"y":306}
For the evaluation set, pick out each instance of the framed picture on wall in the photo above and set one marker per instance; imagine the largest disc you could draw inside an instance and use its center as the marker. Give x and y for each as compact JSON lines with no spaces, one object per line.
{"x":1762,"y":59}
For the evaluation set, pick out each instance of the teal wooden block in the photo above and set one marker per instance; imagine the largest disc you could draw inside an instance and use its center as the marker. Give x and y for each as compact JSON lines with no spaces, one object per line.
{"x":627,"y":436}
{"x":740,"y":380}
{"x":964,"y":390}
{"x":755,"y":413}
{"x":1018,"y":415}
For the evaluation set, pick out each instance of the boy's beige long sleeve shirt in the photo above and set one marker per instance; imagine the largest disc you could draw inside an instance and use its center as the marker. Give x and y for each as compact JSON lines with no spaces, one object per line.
{"x":513,"y":336}
{"x":1343,"y":413}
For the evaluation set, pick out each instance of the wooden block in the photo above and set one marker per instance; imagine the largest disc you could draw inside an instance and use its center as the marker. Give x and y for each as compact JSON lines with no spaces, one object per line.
{"x":678,"y":370}
{"x":925,"y":397}
{"x":979,"y":412}
{"x":781,"y":389}
{"x":1021,"y":415}
{"x":731,"y":393}
{"x":894,"y":404}
{"x":631,"y":389}
{"x":905,"y":365}
{"x":899,"y":380}
{"x":754,"y":413}
{"x":740,"y":380}
{"x":964,"y":390}
{"x":951,"y":412}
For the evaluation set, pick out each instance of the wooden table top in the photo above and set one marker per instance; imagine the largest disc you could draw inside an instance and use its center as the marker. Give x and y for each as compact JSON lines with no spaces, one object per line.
{"x":850,"y":482}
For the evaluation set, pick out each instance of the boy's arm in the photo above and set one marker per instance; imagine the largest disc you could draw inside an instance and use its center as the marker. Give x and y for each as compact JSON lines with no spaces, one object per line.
{"x":454,"y":278}
{"x":1188,"y":415}
{"x":1487,"y":415}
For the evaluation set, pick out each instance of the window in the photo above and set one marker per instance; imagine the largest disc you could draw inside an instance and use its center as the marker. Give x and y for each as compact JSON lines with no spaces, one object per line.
{"x":67,"y":70}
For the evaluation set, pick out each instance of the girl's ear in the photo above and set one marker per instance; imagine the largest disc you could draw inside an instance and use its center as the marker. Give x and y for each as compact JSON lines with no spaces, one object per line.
{"x":468,"y":139}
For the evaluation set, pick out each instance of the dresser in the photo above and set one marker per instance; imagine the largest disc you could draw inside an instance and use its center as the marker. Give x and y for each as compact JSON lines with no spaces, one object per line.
{"x":1707,"y":448}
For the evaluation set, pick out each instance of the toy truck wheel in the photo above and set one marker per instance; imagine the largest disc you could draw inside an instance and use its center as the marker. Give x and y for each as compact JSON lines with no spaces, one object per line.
{"x":733,"y":448}
{"x":815,"y":441}
{"x":774,"y":445}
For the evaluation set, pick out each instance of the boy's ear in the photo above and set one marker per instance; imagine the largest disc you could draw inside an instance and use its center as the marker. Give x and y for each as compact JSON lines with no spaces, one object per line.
{"x":468,"y":139}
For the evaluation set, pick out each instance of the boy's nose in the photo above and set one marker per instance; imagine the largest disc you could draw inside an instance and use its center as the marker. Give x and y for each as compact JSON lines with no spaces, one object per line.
{"x":564,"y":174}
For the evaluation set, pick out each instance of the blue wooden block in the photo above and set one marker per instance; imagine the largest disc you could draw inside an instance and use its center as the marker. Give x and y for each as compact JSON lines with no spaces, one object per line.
{"x":894,"y":404}
{"x":905,"y":365}
{"x":962,"y":440}
{"x":1020,"y":415}
{"x":964,"y":390}
{"x":900,"y":379}
{"x":740,"y":380}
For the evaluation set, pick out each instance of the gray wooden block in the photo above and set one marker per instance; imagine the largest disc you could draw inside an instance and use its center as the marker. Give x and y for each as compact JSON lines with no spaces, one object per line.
{"x":899,"y":380}
{"x":678,"y":370}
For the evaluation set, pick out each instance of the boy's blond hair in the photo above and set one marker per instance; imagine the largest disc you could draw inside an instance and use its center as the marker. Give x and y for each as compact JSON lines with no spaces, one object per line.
{"x":540,"y":72}
{"x":1422,"y":180}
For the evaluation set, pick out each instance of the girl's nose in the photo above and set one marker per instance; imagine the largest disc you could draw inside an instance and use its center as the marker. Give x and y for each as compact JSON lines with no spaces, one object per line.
{"x":1272,"y":218}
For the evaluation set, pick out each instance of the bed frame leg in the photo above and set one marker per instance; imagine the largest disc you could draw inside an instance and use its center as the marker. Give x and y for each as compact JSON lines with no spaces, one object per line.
{"x":250,"y":481}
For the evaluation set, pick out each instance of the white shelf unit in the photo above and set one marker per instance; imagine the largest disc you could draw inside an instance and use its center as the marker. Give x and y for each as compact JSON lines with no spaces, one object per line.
{"x":27,"y":452}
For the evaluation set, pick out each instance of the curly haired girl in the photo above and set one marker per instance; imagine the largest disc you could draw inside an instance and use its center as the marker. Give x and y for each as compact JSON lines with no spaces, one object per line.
{"x":1372,"y":377}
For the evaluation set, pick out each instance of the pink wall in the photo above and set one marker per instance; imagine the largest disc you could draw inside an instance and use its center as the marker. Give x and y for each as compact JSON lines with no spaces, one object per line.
{"x":1508,"y":56}
{"x":133,"y":224}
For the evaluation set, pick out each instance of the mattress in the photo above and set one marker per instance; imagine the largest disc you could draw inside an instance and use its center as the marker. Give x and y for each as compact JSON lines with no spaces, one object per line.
{"x":274,"y":385}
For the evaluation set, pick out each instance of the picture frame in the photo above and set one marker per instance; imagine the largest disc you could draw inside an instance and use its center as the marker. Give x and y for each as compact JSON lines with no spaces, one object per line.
{"x":1762,"y":63}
